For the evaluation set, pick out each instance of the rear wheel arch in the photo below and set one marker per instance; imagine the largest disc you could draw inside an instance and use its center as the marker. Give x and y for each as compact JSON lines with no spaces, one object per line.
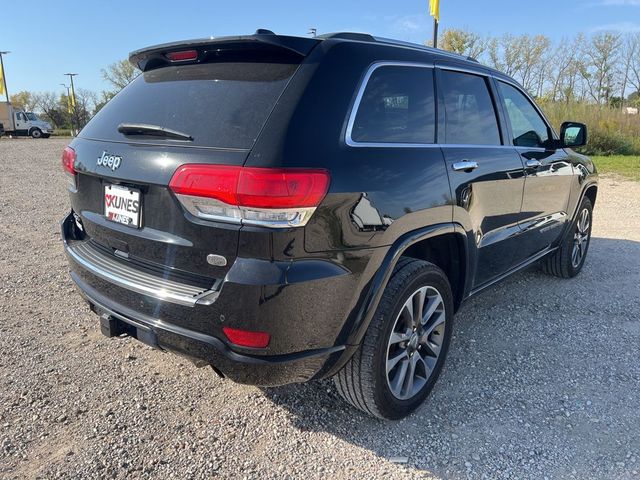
{"x":425,"y":241}
{"x":448,"y":252}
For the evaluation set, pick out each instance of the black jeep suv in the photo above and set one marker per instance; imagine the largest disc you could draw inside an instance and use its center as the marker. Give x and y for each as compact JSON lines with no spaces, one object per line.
{"x":286,"y":209}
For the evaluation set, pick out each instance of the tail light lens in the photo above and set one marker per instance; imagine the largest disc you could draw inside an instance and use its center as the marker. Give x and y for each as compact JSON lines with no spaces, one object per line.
{"x":247,"y":338}
{"x":272,"y":197}
{"x":69,"y":160}
{"x":69,"y":164}
{"x":182,"y":56}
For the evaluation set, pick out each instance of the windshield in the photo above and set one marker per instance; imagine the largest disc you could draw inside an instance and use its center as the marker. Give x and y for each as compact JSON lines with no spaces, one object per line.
{"x":217,"y":104}
{"x":32,"y":116}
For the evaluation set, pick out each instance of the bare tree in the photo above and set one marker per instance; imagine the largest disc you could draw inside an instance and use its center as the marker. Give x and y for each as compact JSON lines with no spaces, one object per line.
{"x":628,"y":53}
{"x":119,"y":74}
{"x":49,"y":103}
{"x":601,"y":55}
{"x":462,"y":42}
{"x":533,"y":51}
{"x":634,"y":65}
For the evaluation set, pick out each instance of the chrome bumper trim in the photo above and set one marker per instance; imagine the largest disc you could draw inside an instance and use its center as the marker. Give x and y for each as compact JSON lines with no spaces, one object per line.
{"x":137,"y":281}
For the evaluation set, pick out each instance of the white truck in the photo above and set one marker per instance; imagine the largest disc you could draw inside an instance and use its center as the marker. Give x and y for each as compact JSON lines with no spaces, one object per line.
{"x":17,"y":122}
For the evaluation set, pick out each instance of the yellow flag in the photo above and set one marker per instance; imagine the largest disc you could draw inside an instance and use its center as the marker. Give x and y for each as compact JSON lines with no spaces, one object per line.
{"x":2,"y":92}
{"x":72,"y":99}
{"x":434,"y":9}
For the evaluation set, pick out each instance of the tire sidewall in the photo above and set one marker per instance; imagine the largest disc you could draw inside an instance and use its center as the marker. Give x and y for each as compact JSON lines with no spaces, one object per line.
{"x":36,"y":133}
{"x":388,"y":404}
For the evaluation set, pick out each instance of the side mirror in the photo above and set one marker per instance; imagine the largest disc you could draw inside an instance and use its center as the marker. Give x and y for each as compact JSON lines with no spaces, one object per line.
{"x":573,"y":134}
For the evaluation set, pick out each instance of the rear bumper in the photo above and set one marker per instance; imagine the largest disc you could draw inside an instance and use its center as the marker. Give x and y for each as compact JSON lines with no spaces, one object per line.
{"x":305,"y":334}
{"x":206,"y":349}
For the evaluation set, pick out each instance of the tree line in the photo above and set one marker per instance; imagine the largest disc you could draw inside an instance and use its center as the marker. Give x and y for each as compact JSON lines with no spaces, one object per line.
{"x":602,"y":69}
{"x":58,"y":108}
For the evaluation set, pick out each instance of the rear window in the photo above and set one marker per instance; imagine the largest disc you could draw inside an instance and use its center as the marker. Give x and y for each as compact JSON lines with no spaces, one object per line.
{"x":397,"y":107}
{"x":218,"y":104}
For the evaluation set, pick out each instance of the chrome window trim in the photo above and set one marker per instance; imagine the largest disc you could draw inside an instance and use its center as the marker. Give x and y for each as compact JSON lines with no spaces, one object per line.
{"x":481,"y":71}
{"x":356,"y":105}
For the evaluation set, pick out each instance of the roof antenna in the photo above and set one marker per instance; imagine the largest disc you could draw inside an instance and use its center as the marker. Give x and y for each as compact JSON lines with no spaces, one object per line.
{"x":264,"y":31}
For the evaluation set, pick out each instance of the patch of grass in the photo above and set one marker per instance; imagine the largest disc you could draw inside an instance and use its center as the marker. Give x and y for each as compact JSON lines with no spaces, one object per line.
{"x":626,"y":165}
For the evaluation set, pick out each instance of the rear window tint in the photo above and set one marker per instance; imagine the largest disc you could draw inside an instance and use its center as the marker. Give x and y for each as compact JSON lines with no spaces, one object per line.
{"x":397,"y":107}
{"x":218,"y":104}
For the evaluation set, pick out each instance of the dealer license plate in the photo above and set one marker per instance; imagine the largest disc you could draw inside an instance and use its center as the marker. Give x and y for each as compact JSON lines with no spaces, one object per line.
{"x":122,"y":205}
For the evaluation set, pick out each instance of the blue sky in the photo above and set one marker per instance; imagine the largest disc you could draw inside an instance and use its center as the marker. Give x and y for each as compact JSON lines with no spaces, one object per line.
{"x":60,"y":36}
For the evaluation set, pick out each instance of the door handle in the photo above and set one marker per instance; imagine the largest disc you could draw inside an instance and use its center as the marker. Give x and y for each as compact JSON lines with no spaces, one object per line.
{"x":533,"y":163}
{"x":465,"y":166}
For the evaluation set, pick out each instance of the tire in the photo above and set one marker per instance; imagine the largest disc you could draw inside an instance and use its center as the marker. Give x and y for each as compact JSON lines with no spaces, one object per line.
{"x":364,"y":381}
{"x":36,"y":133}
{"x":563,"y":262}
{"x":45,"y":135}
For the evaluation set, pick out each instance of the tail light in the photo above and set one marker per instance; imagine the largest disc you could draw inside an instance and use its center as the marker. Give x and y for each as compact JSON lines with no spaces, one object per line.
{"x":69,"y":160}
{"x":272,"y":197}
{"x":69,"y":164}
{"x":182,"y":56}
{"x":247,"y":338}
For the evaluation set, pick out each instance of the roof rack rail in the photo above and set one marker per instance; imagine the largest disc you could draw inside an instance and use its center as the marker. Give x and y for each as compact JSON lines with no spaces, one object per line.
{"x":362,"y":37}
{"x":439,"y":51}
{"x":365,"y":37}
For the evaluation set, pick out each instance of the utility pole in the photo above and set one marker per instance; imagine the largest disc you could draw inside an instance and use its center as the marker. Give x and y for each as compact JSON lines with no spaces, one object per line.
{"x":68,"y":97}
{"x":435,"y":33}
{"x":73,"y":101}
{"x":4,"y":75}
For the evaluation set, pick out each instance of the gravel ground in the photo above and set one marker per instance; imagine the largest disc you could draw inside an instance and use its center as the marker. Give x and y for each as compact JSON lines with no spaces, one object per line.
{"x":542,"y":381}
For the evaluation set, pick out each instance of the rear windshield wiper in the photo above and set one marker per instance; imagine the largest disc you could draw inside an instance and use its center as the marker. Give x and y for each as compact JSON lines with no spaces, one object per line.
{"x":152,"y":130}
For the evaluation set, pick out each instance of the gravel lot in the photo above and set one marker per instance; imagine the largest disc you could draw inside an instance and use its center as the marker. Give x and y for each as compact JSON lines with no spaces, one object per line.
{"x":542,"y":381}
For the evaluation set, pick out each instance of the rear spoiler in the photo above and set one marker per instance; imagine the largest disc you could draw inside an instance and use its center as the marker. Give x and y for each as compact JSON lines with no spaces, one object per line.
{"x":263,"y":40}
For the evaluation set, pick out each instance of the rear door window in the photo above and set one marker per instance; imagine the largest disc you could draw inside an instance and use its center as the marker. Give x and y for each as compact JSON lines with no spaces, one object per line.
{"x":218,"y":104}
{"x":397,"y":106}
{"x":470,"y":116}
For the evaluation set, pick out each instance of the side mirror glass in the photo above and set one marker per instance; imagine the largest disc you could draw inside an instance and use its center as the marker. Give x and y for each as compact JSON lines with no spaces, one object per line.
{"x":573,"y":134}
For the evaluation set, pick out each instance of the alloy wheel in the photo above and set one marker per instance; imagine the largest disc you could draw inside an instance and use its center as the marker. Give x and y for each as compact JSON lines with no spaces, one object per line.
{"x":415,"y":342}
{"x":581,"y":238}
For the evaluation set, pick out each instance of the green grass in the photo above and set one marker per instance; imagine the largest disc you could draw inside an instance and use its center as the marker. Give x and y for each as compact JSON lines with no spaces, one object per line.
{"x":625,"y":165}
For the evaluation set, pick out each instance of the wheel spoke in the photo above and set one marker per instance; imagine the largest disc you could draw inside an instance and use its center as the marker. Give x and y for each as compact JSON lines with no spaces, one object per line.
{"x":418,"y":305}
{"x":432,"y":306}
{"x":392,"y":362}
{"x":400,"y":377}
{"x":408,"y":387}
{"x":407,"y":312}
{"x":427,"y":368}
{"x":434,"y":322}
{"x":398,"y":337}
{"x":575,"y":254}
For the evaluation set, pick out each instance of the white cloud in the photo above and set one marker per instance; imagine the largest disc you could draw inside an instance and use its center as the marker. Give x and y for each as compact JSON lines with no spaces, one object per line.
{"x":610,"y":3}
{"x":623,"y":27}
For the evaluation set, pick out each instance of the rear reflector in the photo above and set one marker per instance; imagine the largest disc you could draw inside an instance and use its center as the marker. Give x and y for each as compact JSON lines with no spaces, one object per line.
{"x":247,"y":338}
{"x":182,"y":56}
{"x":69,"y":160}
{"x":273,"y":197}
